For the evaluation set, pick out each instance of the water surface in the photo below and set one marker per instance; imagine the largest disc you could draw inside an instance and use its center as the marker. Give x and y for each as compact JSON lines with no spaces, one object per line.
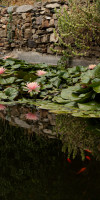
{"x":34,"y":152}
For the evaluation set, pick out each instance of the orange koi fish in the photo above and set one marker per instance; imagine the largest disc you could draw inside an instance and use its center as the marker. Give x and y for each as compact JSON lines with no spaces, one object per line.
{"x":81,"y":170}
{"x":87,"y":157}
{"x":89,"y":151}
{"x":69,"y":160}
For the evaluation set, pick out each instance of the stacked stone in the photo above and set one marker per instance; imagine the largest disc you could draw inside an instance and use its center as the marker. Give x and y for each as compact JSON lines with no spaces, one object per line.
{"x":31,"y":27}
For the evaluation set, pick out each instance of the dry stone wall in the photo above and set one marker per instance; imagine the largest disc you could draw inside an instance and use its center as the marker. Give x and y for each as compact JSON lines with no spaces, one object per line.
{"x":29,"y":28}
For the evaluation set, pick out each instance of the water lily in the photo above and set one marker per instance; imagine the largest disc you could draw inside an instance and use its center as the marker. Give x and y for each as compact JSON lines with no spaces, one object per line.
{"x":2,"y":70}
{"x":91,"y":66}
{"x":31,"y":116}
{"x":33,"y":86}
{"x":2,"y":107}
{"x":41,"y":72}
{"x":5,"y":57}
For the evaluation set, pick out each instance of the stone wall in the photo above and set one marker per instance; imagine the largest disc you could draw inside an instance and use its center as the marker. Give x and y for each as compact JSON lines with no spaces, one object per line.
{"x":28,"y":27}
{"x":31,"y":28}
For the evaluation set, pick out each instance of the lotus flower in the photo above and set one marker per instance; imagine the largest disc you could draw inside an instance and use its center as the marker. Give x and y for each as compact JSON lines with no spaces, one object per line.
{"x":2,"y":70}
{"x":91,"y":66}
{"x":31,"y":116}
{"x":40,"y":72}
{"x":5,"y":57}
{"x":2,"y":107}
{"x":32,"y":86}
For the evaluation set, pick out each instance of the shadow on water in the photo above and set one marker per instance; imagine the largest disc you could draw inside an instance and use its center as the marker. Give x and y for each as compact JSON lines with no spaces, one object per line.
{"x":34,"y":147}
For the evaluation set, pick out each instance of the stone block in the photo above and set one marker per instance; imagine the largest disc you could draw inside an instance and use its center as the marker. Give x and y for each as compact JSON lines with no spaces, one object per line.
{"x":27,"y":33}
{"x":49,"y":30}
{"x":2,"y":33}
{"x":39,"y":20}
{"x":44,"y":39}
{"x":54,"y":5}
{"x":52,"y":22}
{"x":32,"y":44}
{"x":24,"y":8}
{"x":45,"y":23}
{"x":24,"y":15}
{"x":53,"y":38}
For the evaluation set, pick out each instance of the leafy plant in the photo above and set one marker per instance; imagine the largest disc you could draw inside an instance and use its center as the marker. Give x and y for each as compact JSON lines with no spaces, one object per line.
{"x":78,"y":28}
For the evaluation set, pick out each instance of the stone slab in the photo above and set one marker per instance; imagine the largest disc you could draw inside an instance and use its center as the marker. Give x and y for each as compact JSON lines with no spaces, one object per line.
{"x":24,"y":8}
{"x":34,"y":57}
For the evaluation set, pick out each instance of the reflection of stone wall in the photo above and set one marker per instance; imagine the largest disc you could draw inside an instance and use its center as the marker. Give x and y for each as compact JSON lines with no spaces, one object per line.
{"x":31,"y":27}
{"x":44,"y":124}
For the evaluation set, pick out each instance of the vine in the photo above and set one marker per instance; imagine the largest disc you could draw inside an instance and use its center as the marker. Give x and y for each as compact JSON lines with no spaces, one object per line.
{"x":78,"y":28}
{"x":9,"y":28}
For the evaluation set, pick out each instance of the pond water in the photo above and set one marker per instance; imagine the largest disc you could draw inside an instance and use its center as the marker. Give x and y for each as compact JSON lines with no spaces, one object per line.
{"x":45,"y":156}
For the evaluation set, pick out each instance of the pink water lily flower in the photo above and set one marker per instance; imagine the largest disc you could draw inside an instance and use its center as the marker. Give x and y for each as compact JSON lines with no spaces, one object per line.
{"x":31,"y":116}
{"x":2,"y":107}
{"x":32,"y":86}
{"x":91,"y":66}
{"x":2,"y":70}
{"x":5,"y":57}
{"x":40,"y":72}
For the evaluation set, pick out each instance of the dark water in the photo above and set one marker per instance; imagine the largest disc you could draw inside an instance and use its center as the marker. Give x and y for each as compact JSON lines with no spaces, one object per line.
{"x":32,"y":164}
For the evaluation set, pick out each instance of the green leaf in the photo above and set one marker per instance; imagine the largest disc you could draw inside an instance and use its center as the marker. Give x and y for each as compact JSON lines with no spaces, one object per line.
{"x":89,"y":106}
{"x":97,"y":89}
{"x":68,"y":93}
{"x":9,"y":62}
{"x":11,"y":92}
{"x":16,"y":66}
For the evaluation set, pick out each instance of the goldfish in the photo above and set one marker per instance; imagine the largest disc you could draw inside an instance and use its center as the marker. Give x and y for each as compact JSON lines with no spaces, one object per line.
{"x":81,"y":170}
{"x":87,"y":157}
{"x":69,"y":160}
{"x":89,"y":151}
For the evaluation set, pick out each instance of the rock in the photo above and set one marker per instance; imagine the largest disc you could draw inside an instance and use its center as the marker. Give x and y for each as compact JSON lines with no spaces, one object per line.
{"x":39,"y":20}
{"x":13,"y":45}
{"x":21,"y":123}
{"x":44,"y":39}
{"x":33,"y":31}
{"x":11,"y":9}
{"x":24,"y":15}
{"x":27,"y":33}
{"x":52,"y":22}
{"x":47,"y":17}
{"x":54,"y":16}
{"x":49,"y":51}
{"x":26,"y":25}
{"x":55,"y":5}
{"x":49,"y":30}
{"x":24,"y":8}
{"x":32,"y":44}
{"x":2,"y":33}
{"x":4,"y":26}
{"x":47,"y":131}
{"x":45,"y":24}
{"x":35,"y":36}
{"x":53,"y":38}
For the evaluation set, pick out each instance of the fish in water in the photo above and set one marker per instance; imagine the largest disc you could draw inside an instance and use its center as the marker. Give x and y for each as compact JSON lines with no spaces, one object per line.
{"x":89,"y":151}
{"x":69,"y":160}
{"x":87,"y":157}
{"x":81,"y":170}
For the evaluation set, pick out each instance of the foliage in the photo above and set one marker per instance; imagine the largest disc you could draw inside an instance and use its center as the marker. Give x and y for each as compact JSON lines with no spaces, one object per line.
{"x":9,"y":28}
{"x":76,"y":90}
{"x":78,"y":134}
{"x":79,"y":27}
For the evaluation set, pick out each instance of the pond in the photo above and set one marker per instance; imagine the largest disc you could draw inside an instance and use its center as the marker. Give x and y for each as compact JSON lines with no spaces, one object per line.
{"x":47,"y":156}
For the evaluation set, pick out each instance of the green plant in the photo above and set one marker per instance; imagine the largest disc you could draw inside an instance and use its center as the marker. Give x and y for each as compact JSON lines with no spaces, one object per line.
{"x":9,"y":28}
{"x":79,"y":28}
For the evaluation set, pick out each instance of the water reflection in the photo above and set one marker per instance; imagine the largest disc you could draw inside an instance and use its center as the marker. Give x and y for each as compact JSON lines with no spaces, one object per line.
{"x":32,"y":164}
